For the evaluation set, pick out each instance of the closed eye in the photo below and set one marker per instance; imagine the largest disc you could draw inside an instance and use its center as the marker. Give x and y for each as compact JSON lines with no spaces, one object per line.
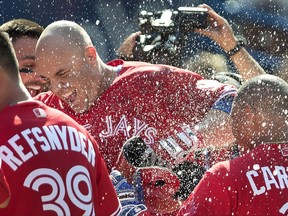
{"x":27,"y":62}
{"x":44,"y":79}
{"x":61,"y":73}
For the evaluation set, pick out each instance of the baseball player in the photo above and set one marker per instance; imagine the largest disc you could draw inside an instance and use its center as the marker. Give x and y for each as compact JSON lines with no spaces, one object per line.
{"x":52,"y":164}
{"x":160,"y":103}
{"x":256,"y":182}
{"x":24,"y":34}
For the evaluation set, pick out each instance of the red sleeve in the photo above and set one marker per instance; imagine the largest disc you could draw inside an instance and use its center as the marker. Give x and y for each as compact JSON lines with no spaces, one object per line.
{"x":4,"y":188}
{"x":213,"y":195}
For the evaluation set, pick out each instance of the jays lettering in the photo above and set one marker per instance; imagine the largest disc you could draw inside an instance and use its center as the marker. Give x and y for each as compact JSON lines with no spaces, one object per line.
{"x":128,"y":130}
{"x":33,"y":141}
{"x":177,"y":145}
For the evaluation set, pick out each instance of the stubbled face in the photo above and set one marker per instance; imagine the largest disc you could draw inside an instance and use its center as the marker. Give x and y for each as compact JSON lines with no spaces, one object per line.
{"x":24,"y":49}
{"x":69,"y":74}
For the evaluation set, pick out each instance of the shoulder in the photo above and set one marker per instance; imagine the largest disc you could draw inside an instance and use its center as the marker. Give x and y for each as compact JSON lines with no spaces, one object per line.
{"x":222,"y":94}
{"x":207,"y":197}
{"x":45,"y":97}
{"x":232,"y":171}
{"x":146,"y":71}
{"x":216,"y":179}
{"x":55,"y":114}
{"x":52,"y":100}
{"x":57,"y":117}
{"x":220,"y":168}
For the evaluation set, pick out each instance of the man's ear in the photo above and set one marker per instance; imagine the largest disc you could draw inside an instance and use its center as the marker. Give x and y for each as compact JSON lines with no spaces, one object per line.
{"x":251,"y":111}
{"x":91,"y":55}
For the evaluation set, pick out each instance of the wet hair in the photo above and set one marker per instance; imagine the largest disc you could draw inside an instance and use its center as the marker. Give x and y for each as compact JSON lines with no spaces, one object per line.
{"x":8,"y":61}
{"x":18,"y":28}
{"x":266,"y":93}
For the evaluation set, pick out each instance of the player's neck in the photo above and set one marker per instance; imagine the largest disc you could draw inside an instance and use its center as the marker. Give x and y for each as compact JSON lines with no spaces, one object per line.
{"x":108,"y":78}
{"x":277,"y":138}
{"x":19,"y":94}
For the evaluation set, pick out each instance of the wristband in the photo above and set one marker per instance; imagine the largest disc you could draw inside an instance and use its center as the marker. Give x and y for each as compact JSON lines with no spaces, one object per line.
{"x":239,"y":45}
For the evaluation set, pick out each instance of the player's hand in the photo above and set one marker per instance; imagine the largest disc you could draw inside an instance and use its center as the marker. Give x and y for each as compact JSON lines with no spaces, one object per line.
{"x":219,"y":30}
{"x":126,"y":48}
{"x":126,"y":194}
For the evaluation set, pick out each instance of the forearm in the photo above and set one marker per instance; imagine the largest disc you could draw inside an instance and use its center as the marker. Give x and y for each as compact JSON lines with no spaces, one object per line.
{"x":246,"y":65}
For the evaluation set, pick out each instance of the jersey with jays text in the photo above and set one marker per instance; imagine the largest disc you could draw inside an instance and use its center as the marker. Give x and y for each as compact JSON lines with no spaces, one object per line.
{"x":53,"y":166}
{"x":253,"y":184}
{"x":157,"y":102}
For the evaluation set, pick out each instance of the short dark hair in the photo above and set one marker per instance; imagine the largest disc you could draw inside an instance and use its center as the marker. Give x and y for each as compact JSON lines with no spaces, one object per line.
{"x":8,"y":60}
{"x":18,"y":28}
{"x":265,"y":92}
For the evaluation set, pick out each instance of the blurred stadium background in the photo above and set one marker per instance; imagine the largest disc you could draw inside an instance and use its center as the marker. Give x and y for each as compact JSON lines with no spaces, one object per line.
{"x":263,"y":22}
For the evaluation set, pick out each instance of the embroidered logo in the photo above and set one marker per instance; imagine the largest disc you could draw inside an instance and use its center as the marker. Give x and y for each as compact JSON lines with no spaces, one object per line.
{"x":40,"y":113}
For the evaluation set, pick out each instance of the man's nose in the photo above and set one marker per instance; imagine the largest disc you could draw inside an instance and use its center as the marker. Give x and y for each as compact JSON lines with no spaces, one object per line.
{"x":59,"y":85}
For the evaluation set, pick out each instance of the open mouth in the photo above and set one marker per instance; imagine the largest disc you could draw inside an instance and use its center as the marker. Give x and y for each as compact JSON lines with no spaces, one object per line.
{"x":33,"y":90}
{"x":71,"y":96}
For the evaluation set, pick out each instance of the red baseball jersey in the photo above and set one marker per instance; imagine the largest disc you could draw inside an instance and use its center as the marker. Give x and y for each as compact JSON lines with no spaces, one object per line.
{"x":253,"y":184}
{"x":53,"y":166}
{"x":157,"y":102}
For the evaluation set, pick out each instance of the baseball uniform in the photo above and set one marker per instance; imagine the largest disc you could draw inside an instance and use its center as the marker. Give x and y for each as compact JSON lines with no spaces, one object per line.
{"x":156,"y":102}
{"x":52,"y":164}
{"x":253,"y":184}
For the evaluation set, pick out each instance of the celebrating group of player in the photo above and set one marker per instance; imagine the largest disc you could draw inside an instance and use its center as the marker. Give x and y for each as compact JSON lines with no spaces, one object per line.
{"x":149,"y":133}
